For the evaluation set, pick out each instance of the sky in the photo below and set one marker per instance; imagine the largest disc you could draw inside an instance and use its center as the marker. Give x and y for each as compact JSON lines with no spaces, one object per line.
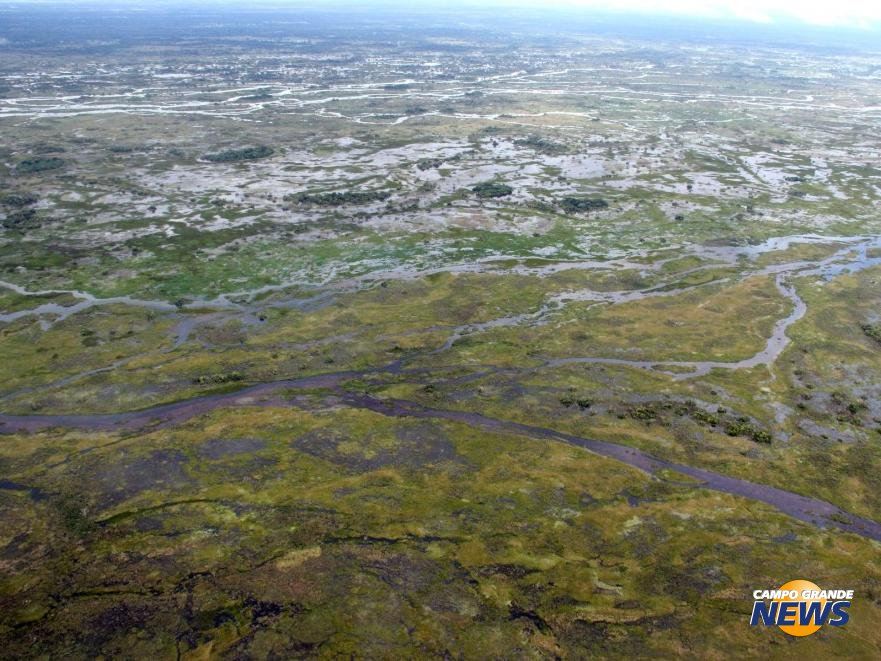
{"x":859,"y":14}
{"x":826,"y":13}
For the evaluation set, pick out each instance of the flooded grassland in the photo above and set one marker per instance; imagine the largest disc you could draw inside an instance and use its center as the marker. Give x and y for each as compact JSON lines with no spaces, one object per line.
{"x":330,"y":345}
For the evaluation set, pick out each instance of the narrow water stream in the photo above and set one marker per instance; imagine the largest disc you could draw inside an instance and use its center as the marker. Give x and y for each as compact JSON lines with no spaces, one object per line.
{"x":809,"y":510}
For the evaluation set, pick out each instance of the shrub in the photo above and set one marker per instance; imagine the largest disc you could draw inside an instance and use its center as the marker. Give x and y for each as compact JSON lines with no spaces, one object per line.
{"x":18,"y":200}
{"x":243,"y":154}
{"x":230,"y":377}
{"x":260,"y":96}
{"x":643,"y":413}
{"x":491,"y":189}
{"x":48,"y":149}
{"x":21,"y":219}
{"x":705,"y":417}
{"x":541,"y":145}
{"x":582,"y":204}
{"x":33,"y":165}
{"x":761,"y":436}
{"x":430,"y":163}
{"x":739,"y":428}
{"x":872,"y":331}
{"x":338,"y":199}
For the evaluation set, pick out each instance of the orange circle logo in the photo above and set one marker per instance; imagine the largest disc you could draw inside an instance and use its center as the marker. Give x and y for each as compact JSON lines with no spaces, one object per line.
{"x":800,"y":586}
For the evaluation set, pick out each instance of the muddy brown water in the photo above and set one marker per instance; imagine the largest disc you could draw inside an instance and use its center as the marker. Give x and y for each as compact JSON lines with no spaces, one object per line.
{"x":810,"y":510}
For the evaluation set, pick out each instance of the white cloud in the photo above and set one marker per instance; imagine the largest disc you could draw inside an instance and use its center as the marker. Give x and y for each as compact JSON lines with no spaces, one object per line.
{"x":850,"y":13}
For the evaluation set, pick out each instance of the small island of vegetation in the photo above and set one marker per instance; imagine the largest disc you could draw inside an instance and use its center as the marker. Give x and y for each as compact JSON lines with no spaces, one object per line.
{"x":337,"y":199}
{"x":243,"y":154}
{"x":490,"y":189}
{"x":583,"y":204}
{"x":34,"y":165}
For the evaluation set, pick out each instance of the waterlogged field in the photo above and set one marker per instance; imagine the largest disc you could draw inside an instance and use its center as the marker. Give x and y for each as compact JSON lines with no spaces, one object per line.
{"x":395,"y":342}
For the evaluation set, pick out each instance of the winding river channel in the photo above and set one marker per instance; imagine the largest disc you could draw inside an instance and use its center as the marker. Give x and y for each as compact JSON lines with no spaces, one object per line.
{"x":810,"y":510}
{"x":854,"y":255}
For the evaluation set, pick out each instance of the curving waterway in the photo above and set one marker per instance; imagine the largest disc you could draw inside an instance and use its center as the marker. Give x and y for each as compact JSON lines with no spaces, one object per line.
{"x":810,"y":510}
{"x":853,"y":256}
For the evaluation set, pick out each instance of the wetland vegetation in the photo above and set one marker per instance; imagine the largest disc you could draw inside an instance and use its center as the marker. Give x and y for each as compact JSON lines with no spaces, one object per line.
{"x":337,"y":338}
{"x":232,"y":155}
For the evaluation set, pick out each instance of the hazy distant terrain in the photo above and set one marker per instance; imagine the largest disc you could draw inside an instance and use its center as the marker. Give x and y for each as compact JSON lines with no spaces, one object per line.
{"x":403,"y":335}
